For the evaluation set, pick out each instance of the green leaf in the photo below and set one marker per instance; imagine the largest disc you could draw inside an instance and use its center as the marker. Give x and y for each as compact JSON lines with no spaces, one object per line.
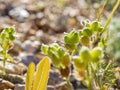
{"x":42,"y":73}
{"x":70,"y":46}
{"x":29,"y":77}
{"x":72,"y":37}
{"x":85,"y":54}
{"x":71,"y":40}
{"x":54,"y":57}
{"x":79,"y":64}
{"x":96,"y":53}
{"x":87,"y":32}
{"x":107,"y":75}
{"x":94,"y":26}
{"x":44,"y":48}
{"x":66,"y":60}
{"x":80,"y":33}
{"x":61,"y":52}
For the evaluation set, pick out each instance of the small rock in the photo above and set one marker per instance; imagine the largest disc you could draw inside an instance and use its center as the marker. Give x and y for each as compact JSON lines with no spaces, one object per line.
{"x":61,"y":86}
{"x":28,"y":46}
{"x":26,"y":58}
{"x":6,"y":85}
{"x":19,"y":87}
{"x":61,"y":24}
{"x":54,"y":78}
{"x":13,"y":78}
{"x":72,"y":12}
{"x":76,"y":84}
{"x":118,"y":83}
{"x":13,"y":68}
{"x":19,"y":14}
{"x":40,"y":15}
{"x":49,"y":87}
{"x":16,"y":48}
{"x":31,"y":45}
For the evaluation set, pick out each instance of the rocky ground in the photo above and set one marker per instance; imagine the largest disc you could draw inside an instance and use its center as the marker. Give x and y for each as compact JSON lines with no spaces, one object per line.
{"x":37,"y":22}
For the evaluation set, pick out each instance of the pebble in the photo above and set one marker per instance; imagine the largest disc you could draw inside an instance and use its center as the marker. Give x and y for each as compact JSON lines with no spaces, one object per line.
{"x":13,"y":78}
{"x":19,"y":87}
{"x":49,"y":87}
{"x":61,"y":86}
{"x":26,"y":58}
{"x":6,"y":85}
{"x":19,"y":14}
{"x":12,"y":68}
{"x":54,"y":78}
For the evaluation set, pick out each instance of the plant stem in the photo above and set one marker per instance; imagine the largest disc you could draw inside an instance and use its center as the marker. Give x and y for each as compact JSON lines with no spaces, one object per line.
{"x":73,"y":53}
{"x":4,"y":62}
{"x":69,"y":84}
{"x":89,"y":78}
{"x":95,"y":76}
{"x":107,"y":67}
{"x":100,"y":12}
{"x":110,"y":16}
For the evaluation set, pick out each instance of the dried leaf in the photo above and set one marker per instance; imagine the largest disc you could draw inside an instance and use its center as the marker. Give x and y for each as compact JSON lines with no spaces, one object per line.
{"x":42,"y":73}
{"x":29,"y":77}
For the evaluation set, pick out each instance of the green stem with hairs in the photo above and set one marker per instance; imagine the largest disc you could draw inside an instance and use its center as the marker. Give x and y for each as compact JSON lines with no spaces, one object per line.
{"x":89,"y":78}
{"x":4,"y":61}
{"x":69,"y":84}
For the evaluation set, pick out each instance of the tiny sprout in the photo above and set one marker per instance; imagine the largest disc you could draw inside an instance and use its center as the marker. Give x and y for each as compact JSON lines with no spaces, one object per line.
{"x":7,"y":37}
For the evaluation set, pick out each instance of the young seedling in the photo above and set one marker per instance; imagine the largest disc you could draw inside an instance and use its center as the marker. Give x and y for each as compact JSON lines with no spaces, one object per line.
{"x":6,"y":37}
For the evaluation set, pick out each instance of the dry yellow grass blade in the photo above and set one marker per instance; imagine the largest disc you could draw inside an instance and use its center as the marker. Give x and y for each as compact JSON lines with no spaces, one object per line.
{"x":41,"y":77}
{"x":29,"y":77}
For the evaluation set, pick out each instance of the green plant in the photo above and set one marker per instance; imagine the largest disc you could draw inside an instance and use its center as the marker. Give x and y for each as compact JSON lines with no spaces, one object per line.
{"x":88,"y":58}
{"x":38,"y":80}
{"x":60,"y":59}
{"x":6,"y":43}
{"x":86,"y":50}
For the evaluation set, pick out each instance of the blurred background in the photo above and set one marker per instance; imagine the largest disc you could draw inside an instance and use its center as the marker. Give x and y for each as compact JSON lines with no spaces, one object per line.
{"x":45,"y":21}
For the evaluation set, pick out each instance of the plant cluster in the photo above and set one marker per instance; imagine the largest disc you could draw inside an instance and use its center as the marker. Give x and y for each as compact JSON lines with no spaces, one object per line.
{"x":80,"y":49}
{"x":86,"y":50}
{"x":6,"y":43}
